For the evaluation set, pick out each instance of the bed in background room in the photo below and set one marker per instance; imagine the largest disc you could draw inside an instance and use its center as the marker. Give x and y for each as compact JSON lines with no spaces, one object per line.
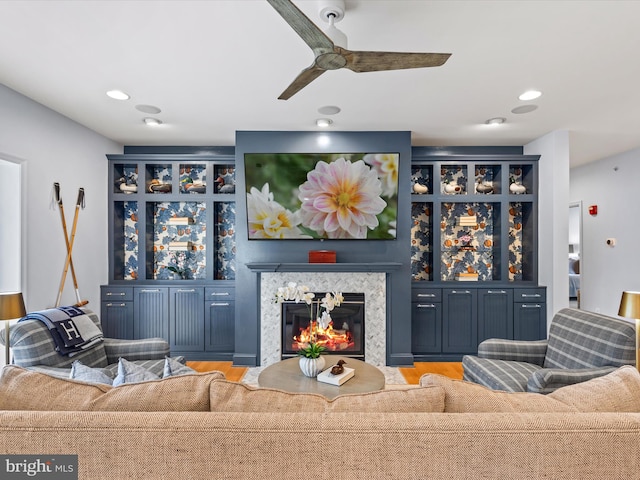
{"x":574,"y":275}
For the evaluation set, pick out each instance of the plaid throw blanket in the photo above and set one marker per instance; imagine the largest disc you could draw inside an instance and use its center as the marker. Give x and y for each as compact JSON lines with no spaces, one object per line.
{"x":72,"y":330}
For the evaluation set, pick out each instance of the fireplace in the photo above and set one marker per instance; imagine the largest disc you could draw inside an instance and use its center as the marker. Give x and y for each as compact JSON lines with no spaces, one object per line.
{"x":371,"y":284}
{"x":344,"y":335}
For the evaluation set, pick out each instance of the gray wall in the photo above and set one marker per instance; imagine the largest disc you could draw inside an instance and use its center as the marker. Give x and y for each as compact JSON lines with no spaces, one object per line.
{"x":553,"y":216}
{"x":52,"y":148}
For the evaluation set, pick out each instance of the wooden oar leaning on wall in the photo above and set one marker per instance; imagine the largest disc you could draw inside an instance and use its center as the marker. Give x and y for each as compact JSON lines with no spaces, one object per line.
{"x":80,"y":203}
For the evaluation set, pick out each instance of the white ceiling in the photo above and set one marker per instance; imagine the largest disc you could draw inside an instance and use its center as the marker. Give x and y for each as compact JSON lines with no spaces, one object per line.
{"x":218,"y":66}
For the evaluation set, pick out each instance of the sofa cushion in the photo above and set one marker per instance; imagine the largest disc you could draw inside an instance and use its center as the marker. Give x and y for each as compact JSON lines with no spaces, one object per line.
{"x":618,"y":391}
{"x":23,"y":389}
{"x":229,"y":396}
{"x":467,"y":397}
{"x":81,"y":372}
{"x":174,"y":368}
{"x":129,"y":372}
{"x":507,"y":375}
{"x":154,"y":366}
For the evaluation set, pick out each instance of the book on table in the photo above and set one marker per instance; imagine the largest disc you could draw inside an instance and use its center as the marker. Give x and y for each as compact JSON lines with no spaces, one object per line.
{"x":327,"y":377}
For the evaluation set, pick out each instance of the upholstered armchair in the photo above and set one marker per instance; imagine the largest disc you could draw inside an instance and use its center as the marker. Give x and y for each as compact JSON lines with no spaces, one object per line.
{"x":581,"y":345}
{"x":33,"y":347}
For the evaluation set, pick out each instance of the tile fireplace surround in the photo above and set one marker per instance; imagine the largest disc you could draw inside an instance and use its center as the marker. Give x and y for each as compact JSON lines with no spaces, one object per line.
{"x":372,"y":284}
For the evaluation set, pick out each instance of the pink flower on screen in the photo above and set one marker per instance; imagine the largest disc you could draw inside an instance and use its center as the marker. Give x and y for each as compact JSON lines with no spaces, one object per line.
{"x":341,"y":199}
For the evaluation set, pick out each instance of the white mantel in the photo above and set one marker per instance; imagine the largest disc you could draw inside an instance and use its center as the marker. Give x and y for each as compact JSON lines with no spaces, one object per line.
{"x":370,"y":279}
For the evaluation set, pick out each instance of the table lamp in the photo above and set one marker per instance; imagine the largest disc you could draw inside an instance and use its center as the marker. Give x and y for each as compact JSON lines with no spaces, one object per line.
{"x":630,"y":308}
{"x":11,"y":307}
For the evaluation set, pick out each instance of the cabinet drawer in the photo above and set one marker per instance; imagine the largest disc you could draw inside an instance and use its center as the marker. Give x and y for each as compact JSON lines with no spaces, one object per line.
{"x":116,"y":294}
{"x":529,"y":295}
{"x":219,"y":293}
{"x":426,"y":295}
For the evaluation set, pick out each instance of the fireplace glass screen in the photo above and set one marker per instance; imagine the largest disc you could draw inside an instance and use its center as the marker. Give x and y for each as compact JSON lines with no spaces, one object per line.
{"x":344,"y":335}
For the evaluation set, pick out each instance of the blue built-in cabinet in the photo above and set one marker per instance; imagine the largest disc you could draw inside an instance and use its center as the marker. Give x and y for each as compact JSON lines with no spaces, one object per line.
{"x":474,"y":249}
{"x":465,"y":253}
{"x":172,"y":247}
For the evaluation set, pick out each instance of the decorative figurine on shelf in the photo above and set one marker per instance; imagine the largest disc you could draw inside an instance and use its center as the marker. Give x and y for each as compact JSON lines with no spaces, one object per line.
{"x":452,"y":188}
{"x":128,"y":183}
{"x":418,"y":184}
{"x":419,"y":188}
{"x":189,"y":186}
{"x":483,"y":187}
{"x":156,"y":186}
{"x":338,"y":368}
{"x":225,"y":183}
{"x":516,"y":187}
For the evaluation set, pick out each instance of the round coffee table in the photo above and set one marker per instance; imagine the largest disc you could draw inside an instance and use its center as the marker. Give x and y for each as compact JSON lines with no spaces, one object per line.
{"x":286,"y":375}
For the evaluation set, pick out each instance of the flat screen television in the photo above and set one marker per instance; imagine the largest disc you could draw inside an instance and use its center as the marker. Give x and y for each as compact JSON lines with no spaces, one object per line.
{"x":307,"y":196}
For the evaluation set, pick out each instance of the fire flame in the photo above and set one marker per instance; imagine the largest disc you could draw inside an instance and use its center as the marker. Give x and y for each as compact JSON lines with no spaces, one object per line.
{"x":332,"y":340}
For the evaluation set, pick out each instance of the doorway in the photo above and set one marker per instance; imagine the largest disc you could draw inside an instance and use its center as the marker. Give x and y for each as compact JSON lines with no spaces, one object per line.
{"x":575,"y":253}
{"x":11,"y":231}
{"x":10,"y":234}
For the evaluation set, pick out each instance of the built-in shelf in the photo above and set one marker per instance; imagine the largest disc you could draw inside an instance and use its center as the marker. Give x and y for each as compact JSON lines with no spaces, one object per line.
{"x":324,"y":267}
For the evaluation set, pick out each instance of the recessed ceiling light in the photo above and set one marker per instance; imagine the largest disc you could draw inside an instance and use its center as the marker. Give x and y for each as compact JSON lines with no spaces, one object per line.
{"x":530,"y":95}
{"x":118,"y":95}
{"x":496,"y":121}
{"x":148,"y":109}
{"x":524,"y":109}
{"x":323,"y":122}
{"x":152,"y":122}
{"x":329,"y":110}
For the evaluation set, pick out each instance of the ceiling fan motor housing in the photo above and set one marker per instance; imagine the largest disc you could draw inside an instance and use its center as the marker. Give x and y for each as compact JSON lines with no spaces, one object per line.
{"x":335,"y":8}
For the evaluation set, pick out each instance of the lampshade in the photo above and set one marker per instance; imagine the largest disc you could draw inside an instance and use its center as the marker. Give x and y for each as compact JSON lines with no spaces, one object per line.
{"x":11,"y":306}
{"x":630,"y":308}
{"x":630,"y":305}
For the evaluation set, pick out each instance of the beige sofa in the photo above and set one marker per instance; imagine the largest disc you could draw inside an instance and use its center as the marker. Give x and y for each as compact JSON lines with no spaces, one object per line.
{"x":203,"y":427}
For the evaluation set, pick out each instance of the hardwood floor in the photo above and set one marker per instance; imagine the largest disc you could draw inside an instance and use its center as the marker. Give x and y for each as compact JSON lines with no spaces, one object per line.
{"x":411,"y":374}
{"x":232,"y":373}
{"x":448,"y":369}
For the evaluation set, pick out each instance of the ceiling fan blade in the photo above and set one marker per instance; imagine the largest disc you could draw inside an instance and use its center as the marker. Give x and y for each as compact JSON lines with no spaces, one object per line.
{"x":376,"y":61}
{"x":307,"y":76}
{"x":308,"y":31}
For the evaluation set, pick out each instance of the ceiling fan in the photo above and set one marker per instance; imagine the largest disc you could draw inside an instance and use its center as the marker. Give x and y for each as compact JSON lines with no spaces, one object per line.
{"x":329,"y":56}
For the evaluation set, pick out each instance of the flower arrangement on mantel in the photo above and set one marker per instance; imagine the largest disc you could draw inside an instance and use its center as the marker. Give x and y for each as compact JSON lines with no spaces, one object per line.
{"x":319,"y":316}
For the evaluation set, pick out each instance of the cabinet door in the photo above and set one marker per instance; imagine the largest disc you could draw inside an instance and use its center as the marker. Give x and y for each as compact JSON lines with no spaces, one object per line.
{"x":186,"y":319}
{"x":117,"y":319}
{"x":116,"y":311}
{"x":426,"y":327}
{"x":220,"y":325}
{"x":530,"y":313}
{"x":530,"y":321}
{"x":459,"y":321}
{"x":495,"y":313}
{"x":151,"y":312}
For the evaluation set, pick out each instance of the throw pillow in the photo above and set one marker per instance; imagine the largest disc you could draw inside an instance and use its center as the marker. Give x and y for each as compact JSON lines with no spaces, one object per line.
{"x":79,"y":371}
{"x":129,"y":372}
{"x":23,"y":389}
{"x":619,"y":391}
{"x":467,"y":397}
{"x":229,"y":396}
{"x":173,"y":368}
